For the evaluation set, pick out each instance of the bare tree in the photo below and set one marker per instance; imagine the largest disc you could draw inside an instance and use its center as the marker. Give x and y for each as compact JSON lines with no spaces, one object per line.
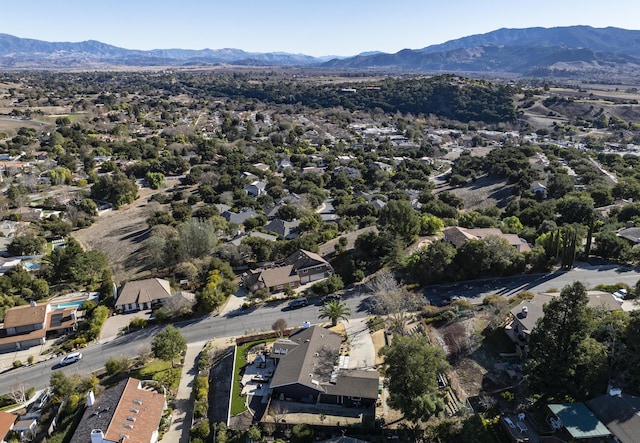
{"x":457,"y":338}
{"x":178,"y":304}
{"x":394,"y":301}
{"x":19,"y":393}
{"x":280,"y":325}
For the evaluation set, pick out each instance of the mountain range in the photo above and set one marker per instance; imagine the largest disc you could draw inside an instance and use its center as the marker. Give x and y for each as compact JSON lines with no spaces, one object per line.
{"x":529,"y":52}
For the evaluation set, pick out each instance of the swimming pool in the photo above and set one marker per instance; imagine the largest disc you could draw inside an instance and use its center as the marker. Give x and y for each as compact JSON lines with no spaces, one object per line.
{"x":71,"y":304}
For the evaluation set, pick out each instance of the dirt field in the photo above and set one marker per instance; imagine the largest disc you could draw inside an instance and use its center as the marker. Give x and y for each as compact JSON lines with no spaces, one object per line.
{"x":483,"y":193}
{"x":121,"y":235}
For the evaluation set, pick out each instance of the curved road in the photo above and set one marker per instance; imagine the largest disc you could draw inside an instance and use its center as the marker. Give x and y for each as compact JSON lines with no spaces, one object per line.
{"x":260,"y":319}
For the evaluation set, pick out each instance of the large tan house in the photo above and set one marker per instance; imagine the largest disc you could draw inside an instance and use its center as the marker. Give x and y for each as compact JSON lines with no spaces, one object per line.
{"x":458,"y":236}
{"x":30,"y":325}
{"x":299,"y":268}
{"x":142,"y":294}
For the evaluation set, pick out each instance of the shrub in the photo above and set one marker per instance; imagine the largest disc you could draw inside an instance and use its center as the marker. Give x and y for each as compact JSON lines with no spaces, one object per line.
{"x":262,"y":293}
{"x":201,"y":387}
{"x":493,"y":299}
{"x":137,"y":323}
{"x":116,"y":364}
{"x":302,"y":433}
{"x":375,"y":323}
{"x":169,"y":378}
{"x":508,"y":396}
{"x":200,"y":409}
{"x":17,"y":363}
{"x":201,"y":430}
{"x":329,"y":286}
{"x":462,"y":304}
{"x":30,"y":359}
{"x":430,"y":311}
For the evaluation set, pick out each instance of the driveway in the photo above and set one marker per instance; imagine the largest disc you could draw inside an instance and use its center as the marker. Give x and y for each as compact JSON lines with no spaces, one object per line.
{"x":362,"y":353}
{"x":117,"y":323}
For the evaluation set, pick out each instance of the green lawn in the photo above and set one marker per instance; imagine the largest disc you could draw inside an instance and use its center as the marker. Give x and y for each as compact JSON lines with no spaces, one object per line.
{"x":238,"y":401}
{"x":160,"y":371}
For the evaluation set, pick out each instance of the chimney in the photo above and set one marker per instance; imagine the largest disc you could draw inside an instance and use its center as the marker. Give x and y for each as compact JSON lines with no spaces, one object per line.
{"x":97,"y":436}
{"x":525,"y":311}
{"x":615,"y":392}
{"x":91,"y":398}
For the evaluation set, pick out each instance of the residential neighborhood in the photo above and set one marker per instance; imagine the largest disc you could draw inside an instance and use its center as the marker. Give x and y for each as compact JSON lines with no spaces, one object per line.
{"x":317,"y":259}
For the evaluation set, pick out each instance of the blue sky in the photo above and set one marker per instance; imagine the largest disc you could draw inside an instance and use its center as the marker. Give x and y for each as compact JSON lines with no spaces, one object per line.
{"x":327,"y":27}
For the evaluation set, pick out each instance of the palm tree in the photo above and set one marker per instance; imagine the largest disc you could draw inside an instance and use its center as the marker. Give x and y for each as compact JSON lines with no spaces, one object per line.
{"x":334,"y":310}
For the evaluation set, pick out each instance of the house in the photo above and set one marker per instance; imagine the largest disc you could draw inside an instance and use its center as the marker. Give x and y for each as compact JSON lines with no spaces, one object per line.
{"x":631,"y":234}
{"x":299,"y":268}
{"x":619,"y":412}
{"x":261,"y":167}
{"x":249,"y":176}
{"x":238,"y":240}
{"x":8,"y":263}
{"x":349,"y":172}
{"x":574,"y":421}
{"x":290,"y":199}
{"x":8,"y":230}
{"x":128,"y":412}
{"x":238,"y":217}
{"x":526,"y":314}
{"x":285,"y":164}
{"x":306,"y":371}
{"x":345,"y":159}
{"x":7,"y":421}
{"x":312,"y":170}
{"x":30,"y":325}
{"x":25,"y":427}
{"x":256,"y":188}
{"x":537,"y":188}
{"x":282,"y":228}
{"x":381,"y":166}
{"x":28,"y":214}
{"x":142,"y":294}
{"x":458,"y":236}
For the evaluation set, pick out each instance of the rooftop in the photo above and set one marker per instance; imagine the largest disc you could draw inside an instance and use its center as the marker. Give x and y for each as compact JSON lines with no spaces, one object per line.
{"x":579,"y":421}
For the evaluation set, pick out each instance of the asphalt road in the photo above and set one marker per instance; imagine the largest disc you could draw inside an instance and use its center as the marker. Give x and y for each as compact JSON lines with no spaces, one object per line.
{"x":590,"y":276}
{"x":260,"y":319}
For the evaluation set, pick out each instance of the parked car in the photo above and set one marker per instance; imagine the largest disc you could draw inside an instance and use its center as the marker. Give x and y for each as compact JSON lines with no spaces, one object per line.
{"x":42,"y":400}
{"x":71,"y":358}
{"x":331,"y":297}
{"x":298,"y":303}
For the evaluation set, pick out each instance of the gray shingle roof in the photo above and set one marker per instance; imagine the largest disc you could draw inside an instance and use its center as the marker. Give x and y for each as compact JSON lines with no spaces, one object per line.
{"x":620,"y":413}
{"x":311,"y":360}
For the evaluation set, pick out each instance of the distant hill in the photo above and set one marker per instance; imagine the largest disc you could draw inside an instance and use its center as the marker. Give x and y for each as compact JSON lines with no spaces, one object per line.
{"x":530,"y":51}
{"x":18,"y":52}
{"x":606,"y":53}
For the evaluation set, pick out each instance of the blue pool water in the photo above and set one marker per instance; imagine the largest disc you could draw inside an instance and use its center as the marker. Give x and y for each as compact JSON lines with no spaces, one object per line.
{"x":69,"y":305}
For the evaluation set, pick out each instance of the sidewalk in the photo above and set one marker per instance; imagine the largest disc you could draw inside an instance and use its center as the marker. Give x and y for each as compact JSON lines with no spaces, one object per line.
{"x":183,"y":411}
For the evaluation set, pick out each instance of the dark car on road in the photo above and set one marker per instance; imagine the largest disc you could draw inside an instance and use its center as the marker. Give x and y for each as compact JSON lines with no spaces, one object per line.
{"x":330,"y":297}
{"x":298,"y":303}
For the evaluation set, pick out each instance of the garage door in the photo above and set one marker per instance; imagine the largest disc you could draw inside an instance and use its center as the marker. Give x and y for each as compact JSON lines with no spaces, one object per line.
{"x":315,"y":277}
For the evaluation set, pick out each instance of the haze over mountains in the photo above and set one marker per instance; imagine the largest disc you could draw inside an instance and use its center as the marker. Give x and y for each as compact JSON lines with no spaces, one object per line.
{"x":528,"y":52}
